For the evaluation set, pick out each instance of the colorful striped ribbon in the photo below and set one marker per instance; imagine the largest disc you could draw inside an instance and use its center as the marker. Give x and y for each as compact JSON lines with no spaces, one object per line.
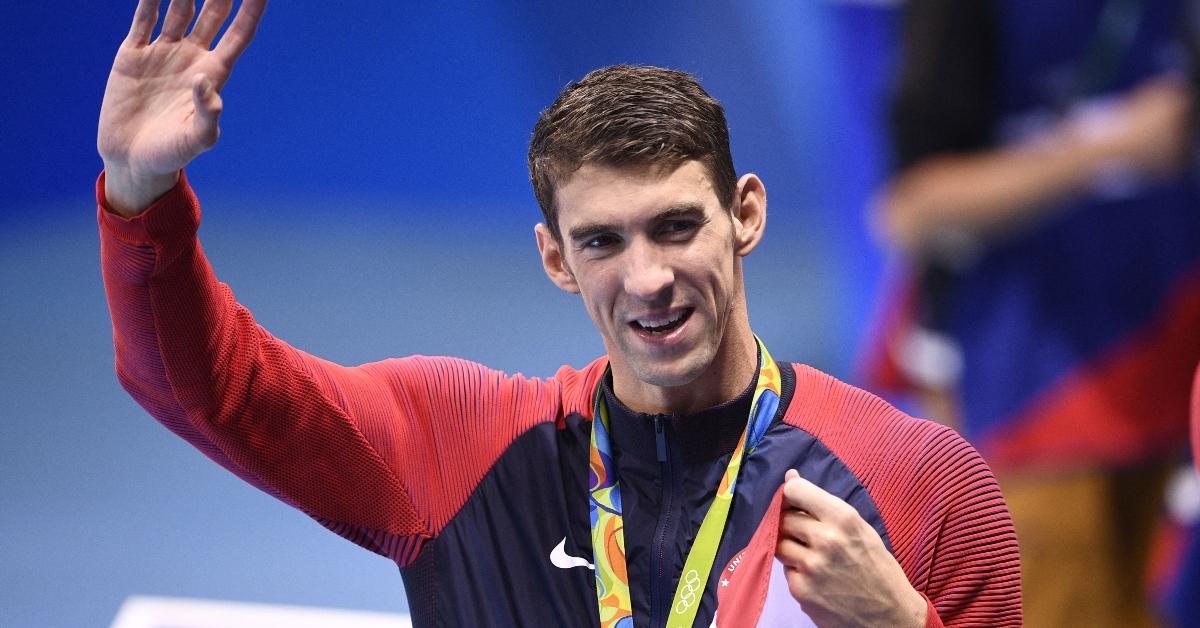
{"x":608,"y":529}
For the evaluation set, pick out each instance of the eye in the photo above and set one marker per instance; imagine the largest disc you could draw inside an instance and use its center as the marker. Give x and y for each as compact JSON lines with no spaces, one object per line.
{"x":678,"y":228}
{"x":600,"y":242}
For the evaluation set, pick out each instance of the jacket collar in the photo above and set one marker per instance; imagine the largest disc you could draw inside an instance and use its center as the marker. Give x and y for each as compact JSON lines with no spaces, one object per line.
{"x":696,"y":438}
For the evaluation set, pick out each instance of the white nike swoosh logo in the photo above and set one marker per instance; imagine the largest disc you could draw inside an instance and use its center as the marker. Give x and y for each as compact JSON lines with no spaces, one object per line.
{"x":560,"y":559}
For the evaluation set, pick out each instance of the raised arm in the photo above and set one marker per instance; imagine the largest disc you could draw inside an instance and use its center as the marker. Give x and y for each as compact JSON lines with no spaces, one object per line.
{"x":162,"y":103}
{"x":382,"y":453}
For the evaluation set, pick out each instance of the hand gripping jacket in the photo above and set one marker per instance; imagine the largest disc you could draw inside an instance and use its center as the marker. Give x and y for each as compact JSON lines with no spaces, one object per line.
{"x":475,"y":482}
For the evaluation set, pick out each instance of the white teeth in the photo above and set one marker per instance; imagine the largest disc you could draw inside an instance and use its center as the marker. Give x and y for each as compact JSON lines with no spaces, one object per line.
{"x":655,"y":322}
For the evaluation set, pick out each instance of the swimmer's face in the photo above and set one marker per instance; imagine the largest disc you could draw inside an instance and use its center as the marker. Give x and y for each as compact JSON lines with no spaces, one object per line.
{"x":656,"y":257}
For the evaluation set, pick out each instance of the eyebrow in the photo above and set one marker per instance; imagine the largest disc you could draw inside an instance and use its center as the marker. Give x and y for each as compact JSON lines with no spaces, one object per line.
{"x":680,"y":210}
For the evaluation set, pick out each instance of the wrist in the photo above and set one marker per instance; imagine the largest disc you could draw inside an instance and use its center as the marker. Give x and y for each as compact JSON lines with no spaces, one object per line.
{"x":129,"y":194}
{"x":915,"y":612}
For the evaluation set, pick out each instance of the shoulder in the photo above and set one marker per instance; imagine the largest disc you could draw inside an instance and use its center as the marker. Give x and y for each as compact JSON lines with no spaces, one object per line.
{"x":579,"y":385}
{"x":855,"y":423}
{"x":917,"y":471}
{"x":465,"y":382}
{"x":943,"y":510}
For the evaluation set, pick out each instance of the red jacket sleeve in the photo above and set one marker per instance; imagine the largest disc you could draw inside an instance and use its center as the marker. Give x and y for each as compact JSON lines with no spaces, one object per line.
{"x":374,"y":452}
{"x":960,"y":545}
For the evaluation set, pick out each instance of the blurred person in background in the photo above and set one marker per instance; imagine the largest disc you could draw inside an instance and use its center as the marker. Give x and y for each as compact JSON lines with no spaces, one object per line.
{"x":1045,"y":204}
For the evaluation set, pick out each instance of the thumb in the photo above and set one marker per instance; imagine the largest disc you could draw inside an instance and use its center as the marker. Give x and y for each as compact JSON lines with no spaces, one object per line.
{"x":794,"y":490}
{"x":208,"y":111}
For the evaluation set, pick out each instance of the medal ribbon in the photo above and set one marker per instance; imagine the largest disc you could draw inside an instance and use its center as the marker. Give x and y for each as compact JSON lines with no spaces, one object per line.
{"x":608,"y":529}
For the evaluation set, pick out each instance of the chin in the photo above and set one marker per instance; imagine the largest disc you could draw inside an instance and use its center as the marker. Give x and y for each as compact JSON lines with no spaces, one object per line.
{"x":665,"y":378}
{"x":679,"y":372}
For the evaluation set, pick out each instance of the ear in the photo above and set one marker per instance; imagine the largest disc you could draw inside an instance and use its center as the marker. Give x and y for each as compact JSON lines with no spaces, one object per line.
{"x":553,"y":261}
{"x":749,"y":213}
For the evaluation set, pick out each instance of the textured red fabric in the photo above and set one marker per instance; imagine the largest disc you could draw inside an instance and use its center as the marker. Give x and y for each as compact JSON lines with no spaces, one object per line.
{"x":351,"y":446}
{"x":946,"y":519}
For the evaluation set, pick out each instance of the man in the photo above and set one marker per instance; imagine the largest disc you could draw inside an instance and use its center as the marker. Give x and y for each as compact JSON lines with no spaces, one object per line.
{"x":647,"y":488}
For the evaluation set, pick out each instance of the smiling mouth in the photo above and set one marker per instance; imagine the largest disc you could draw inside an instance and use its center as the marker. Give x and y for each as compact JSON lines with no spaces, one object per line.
{"x":662,"y":325}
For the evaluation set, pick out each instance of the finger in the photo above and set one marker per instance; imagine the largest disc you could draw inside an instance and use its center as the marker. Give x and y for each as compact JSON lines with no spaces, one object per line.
{"x":799,"y":584}
{"x":241,"y":32}
{"x":207,"y":101}
{"x":212,"y":16}
{"x":179,"y":15}
{"x":800,"y":494}
{"x":792,"y":554}
{"x":144,"y":19}
{"x":804,"y":561}
{"x":798,"y":524}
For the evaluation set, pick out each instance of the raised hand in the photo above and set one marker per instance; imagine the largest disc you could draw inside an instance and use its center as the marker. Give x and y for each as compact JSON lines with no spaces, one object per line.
{"x":162,"y":103}
{"x":837,"y":566}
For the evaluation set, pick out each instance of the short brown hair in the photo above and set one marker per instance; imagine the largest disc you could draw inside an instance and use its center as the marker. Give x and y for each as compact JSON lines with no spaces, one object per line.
{"x":629,"y":115}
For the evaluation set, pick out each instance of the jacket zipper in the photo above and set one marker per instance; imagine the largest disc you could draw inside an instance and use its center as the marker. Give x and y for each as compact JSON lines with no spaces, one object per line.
{"x":660,"y":595}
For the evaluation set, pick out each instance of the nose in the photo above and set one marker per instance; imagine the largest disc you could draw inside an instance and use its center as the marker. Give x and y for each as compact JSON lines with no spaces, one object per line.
{"x":648,"y":276}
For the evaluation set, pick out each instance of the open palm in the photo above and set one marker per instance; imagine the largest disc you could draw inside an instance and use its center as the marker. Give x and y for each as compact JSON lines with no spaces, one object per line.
{"x":162,"y":102}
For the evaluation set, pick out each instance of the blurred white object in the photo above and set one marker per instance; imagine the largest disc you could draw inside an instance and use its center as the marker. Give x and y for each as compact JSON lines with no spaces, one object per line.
{"x":1183,"y":496}
{"x":163,"y":612}
{"x":930,"y":358}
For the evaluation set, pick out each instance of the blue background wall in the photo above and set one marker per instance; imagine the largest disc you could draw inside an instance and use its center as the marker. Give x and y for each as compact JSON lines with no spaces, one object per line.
{"x":369,"y":198}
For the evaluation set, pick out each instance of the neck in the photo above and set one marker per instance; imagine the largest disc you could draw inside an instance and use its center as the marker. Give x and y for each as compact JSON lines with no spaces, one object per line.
{"x":722,"y":380}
